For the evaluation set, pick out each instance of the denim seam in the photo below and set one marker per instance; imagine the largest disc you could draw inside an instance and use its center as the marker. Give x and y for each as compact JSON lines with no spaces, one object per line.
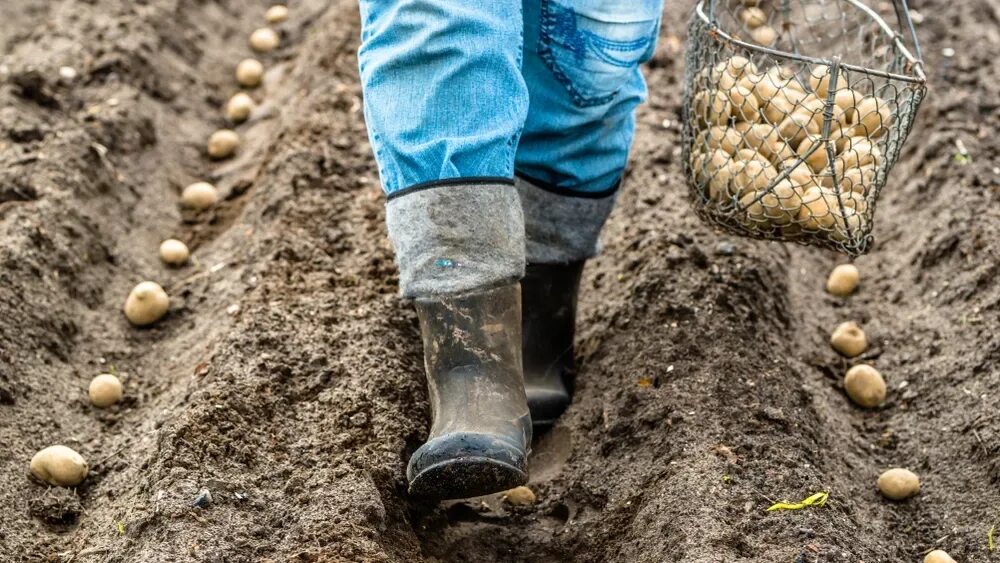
{"x":464,"y":181}
{"x":567,"y":192}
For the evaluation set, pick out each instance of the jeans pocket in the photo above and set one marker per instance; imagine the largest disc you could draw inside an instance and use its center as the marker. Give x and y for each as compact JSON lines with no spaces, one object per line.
{"x":594,"y":47}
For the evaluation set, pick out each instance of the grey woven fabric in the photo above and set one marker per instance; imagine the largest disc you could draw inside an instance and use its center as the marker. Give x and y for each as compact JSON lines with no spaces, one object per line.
{"x":456,"y":238}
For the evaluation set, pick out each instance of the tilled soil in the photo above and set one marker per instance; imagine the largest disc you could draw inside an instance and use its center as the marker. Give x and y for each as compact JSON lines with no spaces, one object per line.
{"x":287,"y":378}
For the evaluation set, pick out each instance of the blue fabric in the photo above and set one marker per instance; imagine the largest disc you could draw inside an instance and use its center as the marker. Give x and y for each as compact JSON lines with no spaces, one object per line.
{"x":449,"y":95}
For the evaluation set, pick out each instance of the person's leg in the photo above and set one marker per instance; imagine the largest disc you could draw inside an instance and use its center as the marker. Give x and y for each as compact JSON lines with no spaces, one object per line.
{"x":581,"y":66}
{"x":445,"y":102}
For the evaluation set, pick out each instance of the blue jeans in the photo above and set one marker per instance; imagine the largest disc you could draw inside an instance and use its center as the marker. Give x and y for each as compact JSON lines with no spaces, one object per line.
{"x":474,"y":91}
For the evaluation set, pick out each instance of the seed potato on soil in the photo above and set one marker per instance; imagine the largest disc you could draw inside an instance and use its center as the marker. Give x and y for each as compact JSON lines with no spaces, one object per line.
{"x":199,"y":195}
{"x":59,"y":466}
{"x":276,"y":14}
{"x":249,"y":73}
{"x":264,"y":40}
{"x":938,"y":556}
{"x":174,"y":252}
{"x":898,"y":484}
{"x":239,"y":107}
{"x":146,"y":304}
{"x":520,"y":496}
{"x":843,"y":280}
{"x":105,"y":390}
{"x":849,"y":339}
{"x":865,"y":386}
{"x":223,"y":144}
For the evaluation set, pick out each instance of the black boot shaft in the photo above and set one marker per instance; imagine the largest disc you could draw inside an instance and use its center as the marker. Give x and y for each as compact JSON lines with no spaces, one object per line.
{"x":549,"y":294}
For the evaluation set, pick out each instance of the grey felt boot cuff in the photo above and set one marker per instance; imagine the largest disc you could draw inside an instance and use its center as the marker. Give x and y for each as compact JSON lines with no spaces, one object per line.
{"x":561,"y":228}
{"x":456,"y":238}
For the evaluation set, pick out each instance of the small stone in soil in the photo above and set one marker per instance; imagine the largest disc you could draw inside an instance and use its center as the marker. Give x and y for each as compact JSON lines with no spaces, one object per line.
{"x":725,"y":248}
{"x":203,"y":499}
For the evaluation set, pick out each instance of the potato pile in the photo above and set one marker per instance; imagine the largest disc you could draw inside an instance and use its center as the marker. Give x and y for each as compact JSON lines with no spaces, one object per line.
{"x":760,"y":150}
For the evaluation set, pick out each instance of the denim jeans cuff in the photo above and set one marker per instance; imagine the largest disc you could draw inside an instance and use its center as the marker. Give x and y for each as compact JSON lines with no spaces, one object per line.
{"x":456,"y":237}
{"x":561,"y":226}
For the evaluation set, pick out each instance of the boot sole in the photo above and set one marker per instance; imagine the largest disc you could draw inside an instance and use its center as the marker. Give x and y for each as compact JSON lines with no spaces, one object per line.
{"x":466,"y":477}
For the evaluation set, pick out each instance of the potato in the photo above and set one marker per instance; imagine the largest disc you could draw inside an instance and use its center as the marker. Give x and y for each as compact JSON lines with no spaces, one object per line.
{"x":843,"y":280}
{"x":720,"y":186}
{"x":871,"y":117}
{"x":726,"y":138}
{"x":784,"y":78}
{"x":865,"y":386}
{"x":713,"y":107}
{"x":778,"y":206}
{"x":704,"y":167}
{"x":736,"y":66}
{"x":761,"y":85}
{"x":855,"y":201}
{"x":754,"y":175}
{"x":753,"y":17}
{"x":857,"y":180}
{"x":105,"y":390}
{"x":745,"y":105}
{"x":801,"y":175}
{"x":817,"y":210}
{"x":223,"y":143}
{"x":520,"y":496}
{"x":726,"y":81}
{"x":819,"y":159}
{"x":816,"y":108}
{"x":858,"y":152}
{"x":938,"y":556}
{"x":239,"y":107}
{"x":714,"y":172}
{"x":173,"y":252}
{"x":898,"y":483}
{"x":764,"y":35}
{"x":849,"y":339}
{"x":59,"y":466}
{"x":748,"y":154}
{"x":199,"y":195}
{"x":847,"y":99}
{"x":796,"y":127}
{"x":276,"y":14}
{"x":819,"y":80}
{"x":848,"y":226}
{"x":777,"y":108}
{"x":249,"y":73}
{"x":763,"y":139}
{"x":146,"y":304}
{"x":750,"y":3}
{"x":264,"y":40}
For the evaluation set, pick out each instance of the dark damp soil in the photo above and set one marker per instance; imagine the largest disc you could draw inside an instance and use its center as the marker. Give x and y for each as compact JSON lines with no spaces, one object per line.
{"x":287,"y":378}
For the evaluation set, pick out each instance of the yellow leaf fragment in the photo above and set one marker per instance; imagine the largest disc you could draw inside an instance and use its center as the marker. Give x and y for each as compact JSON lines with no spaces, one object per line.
{"x":816,"y":499}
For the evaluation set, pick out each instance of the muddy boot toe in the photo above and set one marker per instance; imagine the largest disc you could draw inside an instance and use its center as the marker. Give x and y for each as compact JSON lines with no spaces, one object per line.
{"x":466,"y":464}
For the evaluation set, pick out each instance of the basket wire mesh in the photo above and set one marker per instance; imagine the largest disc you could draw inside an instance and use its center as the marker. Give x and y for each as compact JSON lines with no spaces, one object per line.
{"x":794,"y":113}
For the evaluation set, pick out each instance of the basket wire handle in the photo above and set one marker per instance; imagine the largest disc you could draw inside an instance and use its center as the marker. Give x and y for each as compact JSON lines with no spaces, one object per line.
{"x":906,"y":22}
{"x":902,"y":16}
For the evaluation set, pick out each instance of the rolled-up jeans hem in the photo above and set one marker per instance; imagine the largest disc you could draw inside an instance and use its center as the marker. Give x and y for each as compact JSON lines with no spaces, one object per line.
{"x":454,"y":237}
{"x":562,"y":226}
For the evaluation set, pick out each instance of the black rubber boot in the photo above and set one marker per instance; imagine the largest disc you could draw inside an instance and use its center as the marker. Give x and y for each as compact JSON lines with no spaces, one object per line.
{"x":549,"y":316}
{"x":481,"y":432}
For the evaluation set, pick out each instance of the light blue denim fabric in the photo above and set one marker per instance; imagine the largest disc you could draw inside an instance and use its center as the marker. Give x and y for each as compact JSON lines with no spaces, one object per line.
{"x":448,"y":96}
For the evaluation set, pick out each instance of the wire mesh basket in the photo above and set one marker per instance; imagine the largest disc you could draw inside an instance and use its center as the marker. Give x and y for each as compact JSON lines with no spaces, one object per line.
{"x":794,"y":113}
